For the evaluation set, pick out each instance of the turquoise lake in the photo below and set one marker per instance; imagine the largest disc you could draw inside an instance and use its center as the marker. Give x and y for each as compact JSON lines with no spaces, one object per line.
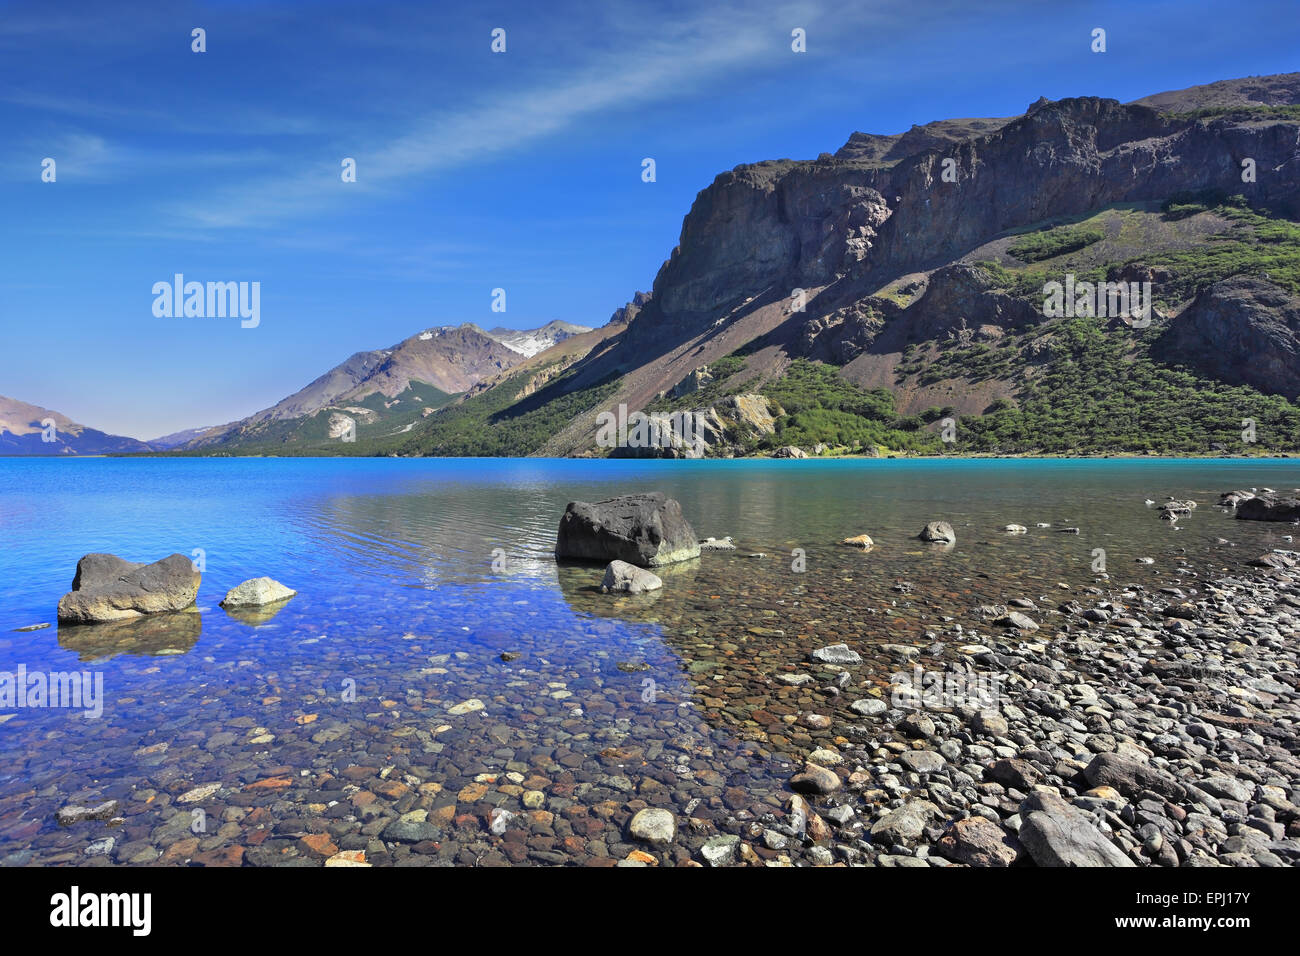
{"x":415,"y":577}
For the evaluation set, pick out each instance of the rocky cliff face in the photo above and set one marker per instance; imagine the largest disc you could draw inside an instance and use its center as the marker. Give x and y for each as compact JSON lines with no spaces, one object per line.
{"x":1242,"y":331}
{"x":725,"y":429}
{"x":774,"y":227}
{"x":881,"y":211}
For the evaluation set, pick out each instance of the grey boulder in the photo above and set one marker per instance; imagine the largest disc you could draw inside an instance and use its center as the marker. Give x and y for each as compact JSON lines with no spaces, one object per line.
{"x":1130,"y":777}
{"x":257,"y":592}
{"x":647,"y":530}
{"x":1057,"y":834}
{"x":1269,"y":508}
{"x":939,"y":532}
{"x":621,"y":577}
{"x":108,"y":588}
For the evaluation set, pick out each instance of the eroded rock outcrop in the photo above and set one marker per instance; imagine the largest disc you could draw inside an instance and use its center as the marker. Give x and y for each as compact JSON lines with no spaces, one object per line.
{"x":1243,"y":331}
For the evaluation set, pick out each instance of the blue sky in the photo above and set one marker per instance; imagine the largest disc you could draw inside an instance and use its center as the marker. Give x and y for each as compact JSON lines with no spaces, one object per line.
{"x":475,"y":170}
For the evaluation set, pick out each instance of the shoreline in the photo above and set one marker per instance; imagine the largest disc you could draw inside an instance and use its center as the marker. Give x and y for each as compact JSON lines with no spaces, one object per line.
{"x":1116,"y":456}
{"x":1150,"y":728}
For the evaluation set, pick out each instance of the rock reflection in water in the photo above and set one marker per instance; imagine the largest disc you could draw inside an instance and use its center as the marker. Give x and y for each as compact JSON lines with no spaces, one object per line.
{"x":254,"y":616}
{"x":152,"y":635}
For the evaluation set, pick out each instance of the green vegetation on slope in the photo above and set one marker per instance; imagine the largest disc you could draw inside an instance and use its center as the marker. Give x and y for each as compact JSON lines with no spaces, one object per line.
{"x":493,"y":424}
{"x":1049,"y":243}
{"x":725,"y":382}
{"x":821,"y":406}
{"x":1283,"y":112}
{"x":1255,"y":244}
{"x":1095,"y":397}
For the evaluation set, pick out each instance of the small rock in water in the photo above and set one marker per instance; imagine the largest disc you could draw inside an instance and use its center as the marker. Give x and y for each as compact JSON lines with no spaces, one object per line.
{"x":101,"y":847}
{"x":721,"y":850}
{"x":629,"y":579}
{"x":199,"y":793}
{"x":468,"y":707}
{"x":836,"y":654}
{"x":815,"y":779}
{"x":1017,"y":620}
{"x":939,"y":532}
{"x":869,"y":707}
{"x":256,"y":592}
{"x":862,"y":541}
{"x":718,"y":544}
{"x":67,"y":816}
{"x":653,"y":825}
{"x":1016,"y":529}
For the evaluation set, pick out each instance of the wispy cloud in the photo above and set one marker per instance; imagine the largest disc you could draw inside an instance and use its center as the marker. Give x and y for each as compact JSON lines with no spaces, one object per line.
{"x":671,"y":58}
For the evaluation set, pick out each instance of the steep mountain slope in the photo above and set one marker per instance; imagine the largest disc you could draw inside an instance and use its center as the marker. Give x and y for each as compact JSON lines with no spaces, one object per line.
{"x":916,"y":265}
{"x":24,"y":430}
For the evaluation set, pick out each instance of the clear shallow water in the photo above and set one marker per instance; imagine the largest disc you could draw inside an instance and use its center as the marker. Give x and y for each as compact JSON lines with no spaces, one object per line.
{"x":398,"y":597}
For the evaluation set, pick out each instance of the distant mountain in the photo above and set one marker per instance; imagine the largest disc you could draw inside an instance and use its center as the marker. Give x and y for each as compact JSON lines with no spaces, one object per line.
{"x":529,"y":342}
{"x":176,"y":439}
{"x":382,"y":392}
{"x":24,"y":431}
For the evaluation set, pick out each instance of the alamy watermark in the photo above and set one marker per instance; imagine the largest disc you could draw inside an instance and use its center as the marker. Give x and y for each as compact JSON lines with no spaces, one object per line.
{"x":82,"y":690}
{"x":945,"y":690}
{"x":212,"y":300}
{"x":618,"y":429}
{"x":1130,"y":301}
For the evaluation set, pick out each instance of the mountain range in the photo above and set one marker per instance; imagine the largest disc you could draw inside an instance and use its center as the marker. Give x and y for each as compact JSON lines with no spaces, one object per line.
{"x":889,"y":297}
{"x":380,"y":392}
{"x":27,"y":429}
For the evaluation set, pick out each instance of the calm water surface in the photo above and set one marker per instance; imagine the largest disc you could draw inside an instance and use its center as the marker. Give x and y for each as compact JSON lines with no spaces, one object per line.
{"x":401,"y":615}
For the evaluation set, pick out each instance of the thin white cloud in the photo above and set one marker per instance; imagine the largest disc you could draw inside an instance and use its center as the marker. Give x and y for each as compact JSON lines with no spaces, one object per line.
{"x":673,"y":59}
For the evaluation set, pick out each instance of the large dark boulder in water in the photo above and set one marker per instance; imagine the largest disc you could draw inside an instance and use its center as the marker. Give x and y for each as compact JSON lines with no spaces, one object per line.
{"x":647,"y":530}
{"x":107,"y":588}
{"x":1269,"y":508}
